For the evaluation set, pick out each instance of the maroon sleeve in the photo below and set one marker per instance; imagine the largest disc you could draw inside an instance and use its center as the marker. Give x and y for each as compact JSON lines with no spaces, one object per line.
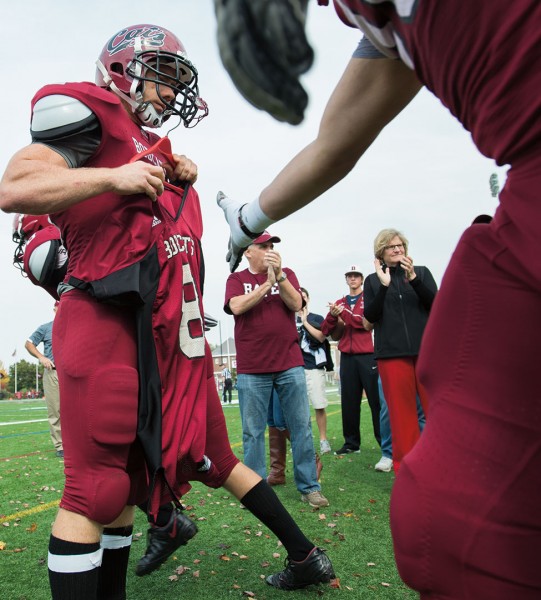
{"x":233,"y":288}
{"x":328,"y":325}
{"x":352,"y":319}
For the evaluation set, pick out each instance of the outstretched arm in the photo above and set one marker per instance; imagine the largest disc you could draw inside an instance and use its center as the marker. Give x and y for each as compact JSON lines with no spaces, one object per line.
{"x":369,"y":95}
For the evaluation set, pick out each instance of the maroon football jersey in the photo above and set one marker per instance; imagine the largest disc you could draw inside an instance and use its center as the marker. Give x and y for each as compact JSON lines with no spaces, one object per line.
{"x":111,"y":239}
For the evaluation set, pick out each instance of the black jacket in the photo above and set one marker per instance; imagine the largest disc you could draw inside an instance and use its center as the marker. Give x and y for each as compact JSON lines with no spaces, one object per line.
{"x":399,"y":312}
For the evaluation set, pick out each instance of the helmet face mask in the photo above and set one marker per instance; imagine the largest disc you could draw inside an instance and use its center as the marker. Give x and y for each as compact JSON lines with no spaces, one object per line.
{"x":147,"y":53}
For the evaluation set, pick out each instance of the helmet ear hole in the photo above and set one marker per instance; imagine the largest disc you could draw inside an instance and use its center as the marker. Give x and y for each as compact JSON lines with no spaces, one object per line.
{"x":117,"y":68}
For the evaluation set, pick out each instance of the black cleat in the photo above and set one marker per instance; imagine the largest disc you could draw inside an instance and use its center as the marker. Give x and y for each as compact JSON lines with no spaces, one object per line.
{"x":163,"y":541}
{"x":316,"y":568}
{"x":346,"y":450}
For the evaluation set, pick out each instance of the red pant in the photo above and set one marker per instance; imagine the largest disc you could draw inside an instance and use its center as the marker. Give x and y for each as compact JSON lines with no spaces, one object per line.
{"x":400,"y":387}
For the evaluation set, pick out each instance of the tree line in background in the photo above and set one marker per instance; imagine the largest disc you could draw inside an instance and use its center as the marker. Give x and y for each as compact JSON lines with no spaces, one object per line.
{"x":28,"y":381}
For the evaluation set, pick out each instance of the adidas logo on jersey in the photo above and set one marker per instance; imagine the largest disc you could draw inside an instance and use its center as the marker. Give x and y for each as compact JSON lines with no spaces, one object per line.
{"x":155,"y":221}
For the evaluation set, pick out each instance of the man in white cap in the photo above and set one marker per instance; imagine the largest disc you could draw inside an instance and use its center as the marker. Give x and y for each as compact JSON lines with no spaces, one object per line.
{"x":358,"y":368}
{"x":264,"y":299}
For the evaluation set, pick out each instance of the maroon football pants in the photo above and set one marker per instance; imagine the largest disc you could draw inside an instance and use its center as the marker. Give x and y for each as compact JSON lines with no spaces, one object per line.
{"x":465,"y":507}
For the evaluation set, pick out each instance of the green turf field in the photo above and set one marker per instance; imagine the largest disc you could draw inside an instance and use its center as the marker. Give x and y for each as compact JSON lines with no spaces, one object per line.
{"x":233,"y":552}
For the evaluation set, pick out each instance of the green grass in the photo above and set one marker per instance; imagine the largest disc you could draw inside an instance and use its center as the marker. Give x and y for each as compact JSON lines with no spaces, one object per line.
{"x":233,"y":552}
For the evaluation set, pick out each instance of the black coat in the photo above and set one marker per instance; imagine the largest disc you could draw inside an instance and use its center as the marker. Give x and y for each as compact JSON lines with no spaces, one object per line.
{"x":399,"y":312}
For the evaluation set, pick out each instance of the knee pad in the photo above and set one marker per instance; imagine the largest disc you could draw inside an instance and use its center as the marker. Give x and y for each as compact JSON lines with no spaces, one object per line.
{"x":106,"y":497}
{"x":112,"y":491}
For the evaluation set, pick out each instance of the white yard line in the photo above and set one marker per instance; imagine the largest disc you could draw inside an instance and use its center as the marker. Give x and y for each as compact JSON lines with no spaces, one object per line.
{"x":23,"y":422}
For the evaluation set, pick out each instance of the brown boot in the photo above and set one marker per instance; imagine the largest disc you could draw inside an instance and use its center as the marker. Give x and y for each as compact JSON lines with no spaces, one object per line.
{"x":277,"y":452}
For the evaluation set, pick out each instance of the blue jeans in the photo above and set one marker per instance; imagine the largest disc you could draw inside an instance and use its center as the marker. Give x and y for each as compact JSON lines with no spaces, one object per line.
{"x":385,"y":423}
{"x":255,"y":391}
{"x":275,"y":416}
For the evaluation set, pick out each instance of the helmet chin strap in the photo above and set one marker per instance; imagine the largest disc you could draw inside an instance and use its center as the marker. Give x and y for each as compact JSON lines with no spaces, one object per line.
{"x":148,"y":115}
{"x":145,"y":111}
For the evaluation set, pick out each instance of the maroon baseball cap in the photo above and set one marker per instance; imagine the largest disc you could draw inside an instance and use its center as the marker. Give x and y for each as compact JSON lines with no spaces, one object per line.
{"x":266,"y":237}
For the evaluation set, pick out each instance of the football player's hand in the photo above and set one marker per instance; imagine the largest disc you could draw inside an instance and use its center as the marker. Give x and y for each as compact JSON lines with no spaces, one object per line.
{"x":184,"y":169}
{"x":238,"y":241}
{"x":139,"y":177}
{"x":264,"y":49}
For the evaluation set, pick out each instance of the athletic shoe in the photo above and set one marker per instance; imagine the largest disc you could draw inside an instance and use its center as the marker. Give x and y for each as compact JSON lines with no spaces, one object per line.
{"x":315,"y":499}
{"x":384,"y":465}
{"x":346,"y":450}
{"x":324,"y":446}
{"x":59,"y":454}
{"x":316,"y":568}
{"x":163,"y":541}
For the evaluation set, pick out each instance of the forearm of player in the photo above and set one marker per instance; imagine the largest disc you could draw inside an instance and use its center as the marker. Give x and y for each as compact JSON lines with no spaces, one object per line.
{"x":368,"y":96}
{"x":38,"y":181}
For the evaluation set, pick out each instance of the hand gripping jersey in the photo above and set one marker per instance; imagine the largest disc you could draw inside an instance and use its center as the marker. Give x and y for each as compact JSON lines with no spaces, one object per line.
{"x":146,"y":256}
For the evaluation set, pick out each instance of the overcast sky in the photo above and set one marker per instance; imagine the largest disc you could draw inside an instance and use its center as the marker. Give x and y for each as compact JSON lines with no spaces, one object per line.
{"x":423,"y":175}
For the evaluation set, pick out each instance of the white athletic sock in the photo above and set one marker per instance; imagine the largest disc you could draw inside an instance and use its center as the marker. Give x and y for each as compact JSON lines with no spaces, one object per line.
{"x":254,"y":218}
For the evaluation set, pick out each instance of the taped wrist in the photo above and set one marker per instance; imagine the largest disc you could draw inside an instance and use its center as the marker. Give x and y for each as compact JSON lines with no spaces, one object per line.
{"x":252,"y":220}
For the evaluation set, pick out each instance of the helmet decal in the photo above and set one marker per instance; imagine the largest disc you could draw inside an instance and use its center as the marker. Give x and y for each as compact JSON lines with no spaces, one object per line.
{"x":151,"y":36}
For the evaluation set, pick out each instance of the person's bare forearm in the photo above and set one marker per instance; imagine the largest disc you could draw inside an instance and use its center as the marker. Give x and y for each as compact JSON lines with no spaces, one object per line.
{"x":32,"y":349}
{"x":290,"y":296}
{"x":300,"y":182}
{"x":241,"y":304}
{"x":369,"y":95}
{"x":315,"y":333}
{"x":38,"y":181}
{"x":39,"y":188}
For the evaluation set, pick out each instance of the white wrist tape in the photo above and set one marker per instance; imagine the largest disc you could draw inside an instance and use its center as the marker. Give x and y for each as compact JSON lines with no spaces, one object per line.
{"x":254,"y":218}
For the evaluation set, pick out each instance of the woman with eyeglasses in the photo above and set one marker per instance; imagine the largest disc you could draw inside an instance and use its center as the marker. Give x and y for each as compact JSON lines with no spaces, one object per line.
{"x":397,"y":302}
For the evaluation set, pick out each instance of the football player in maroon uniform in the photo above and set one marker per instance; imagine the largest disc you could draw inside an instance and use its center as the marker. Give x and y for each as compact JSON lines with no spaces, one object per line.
{"x":140,"y":409}
{"x":465,"y":508}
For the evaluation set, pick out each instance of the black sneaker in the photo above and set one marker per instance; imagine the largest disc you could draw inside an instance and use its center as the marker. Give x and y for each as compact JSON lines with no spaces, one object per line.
{"x":59,"y":453}
{"x":346,"y":450}
{"x":163,"y":541}
{"x":316,"y":568}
